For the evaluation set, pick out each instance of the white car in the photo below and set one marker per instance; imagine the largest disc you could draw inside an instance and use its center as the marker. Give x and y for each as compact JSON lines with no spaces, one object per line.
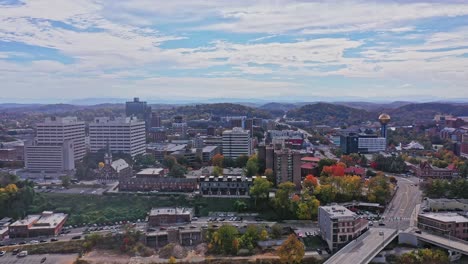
{"x":22,"y":254}
{"x":33,"y":242}
{"x":2,"y":253}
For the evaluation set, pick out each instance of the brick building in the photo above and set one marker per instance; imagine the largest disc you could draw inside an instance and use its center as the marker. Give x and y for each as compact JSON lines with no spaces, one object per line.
{"x":46,"y":224}
{"x":169,"y":216}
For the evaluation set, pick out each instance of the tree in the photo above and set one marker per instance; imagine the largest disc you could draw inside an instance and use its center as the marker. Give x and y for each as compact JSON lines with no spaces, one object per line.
{"x":307,"y":208}
{"x":240,"y":206}
{"x":291,"y":251}
{"x":326,"y":193}
{"x":172,"y":260}
{"x":228,"y":162}
{"x":217,"y":171}
{"x":270,"y":175}
{"x":424,"y":256}
{"x":325,"y":162}
{"x":282,"y":201}
{"x":169,"y":161}
{"x":260,"y":189}
{"x":217,"y":160}
{"x":276,"y":231}
{"x":241,"y":161}
{"x":66,"y":181}
{"x":310,"y":182}
{"x":251,"y":167}
{"x":222,"y":240}
{"x":177,"y":171}
{"x":378,"y":189}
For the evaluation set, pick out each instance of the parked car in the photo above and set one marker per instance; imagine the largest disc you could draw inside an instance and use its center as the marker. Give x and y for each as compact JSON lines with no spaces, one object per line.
{"x":2,"y":253}
{"x":15,"y":251}
{"x":22,"y":254}
{"x":53,"y":239}
{"x":418,"y":231}
{"x":76,"y":237}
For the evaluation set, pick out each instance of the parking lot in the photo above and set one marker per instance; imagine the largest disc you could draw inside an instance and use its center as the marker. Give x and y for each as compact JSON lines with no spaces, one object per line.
{"x":50,"y":259}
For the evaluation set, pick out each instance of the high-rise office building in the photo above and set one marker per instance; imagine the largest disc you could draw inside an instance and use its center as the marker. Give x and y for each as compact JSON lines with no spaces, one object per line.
{"x":55,"y":130}
{"x":236,"y":142}
{"x":139,"y":109}
{"x":49,"y":157}
{"x":155,"y":120}
{"x":125,"y":135}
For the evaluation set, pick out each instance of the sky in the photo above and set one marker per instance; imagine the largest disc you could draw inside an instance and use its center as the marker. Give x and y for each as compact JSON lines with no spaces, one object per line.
{"x":200,"y":49}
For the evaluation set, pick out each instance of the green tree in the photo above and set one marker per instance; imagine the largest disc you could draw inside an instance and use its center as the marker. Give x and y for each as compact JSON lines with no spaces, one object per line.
{"x":260,"y":188}
{"x":228,"y":162}
{"x":276,"y":231}
{"x":291,"y":251}
{"x":169,"y":161}
{"x":240,"y":206}
{"x":251,"y":167}
{"x":270,"y":175}
{"x":424,"y":256}
{"x":66,"y":181}
{"x":282,"y":201}
{"x":222,"y":240}
{"x":217,"y":171}
{"x":241,"y":161}
{"x":177,"y":171}
{"x":379,"y":189}
{"x":326,"y":193}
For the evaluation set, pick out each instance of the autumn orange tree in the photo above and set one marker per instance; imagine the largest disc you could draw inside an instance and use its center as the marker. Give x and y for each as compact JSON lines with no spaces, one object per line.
{"x":291,"y":251}
{"x":310,"y":182}
{"x":217,"y":160}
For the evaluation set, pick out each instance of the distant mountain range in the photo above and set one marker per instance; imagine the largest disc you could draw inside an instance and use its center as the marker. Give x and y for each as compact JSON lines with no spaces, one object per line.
{"x":336,"y":113}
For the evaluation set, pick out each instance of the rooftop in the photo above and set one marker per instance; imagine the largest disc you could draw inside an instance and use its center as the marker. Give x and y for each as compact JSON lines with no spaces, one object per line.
{"x":446,"y":217}
{"x":170,"y":211}
{"x":151,"y":171}
{"x":119,"y":165}
{"x":338,"y":211}
{"x":46,"y":219}
{"x":311,"y":159}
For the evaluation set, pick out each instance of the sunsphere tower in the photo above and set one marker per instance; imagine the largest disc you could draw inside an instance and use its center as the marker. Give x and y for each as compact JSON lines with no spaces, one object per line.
{"x":384,"y":119}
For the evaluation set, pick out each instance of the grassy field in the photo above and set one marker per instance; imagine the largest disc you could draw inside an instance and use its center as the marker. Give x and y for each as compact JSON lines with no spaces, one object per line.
{"x":103,"y":208}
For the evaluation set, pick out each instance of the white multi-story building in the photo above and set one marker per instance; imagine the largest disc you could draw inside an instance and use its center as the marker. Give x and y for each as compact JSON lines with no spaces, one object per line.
{"x":124,"y":134}
{"x":236,"y":142}
{"x":338,"y":225}
{"x":55,"y":130}
{"x":50,"y":157}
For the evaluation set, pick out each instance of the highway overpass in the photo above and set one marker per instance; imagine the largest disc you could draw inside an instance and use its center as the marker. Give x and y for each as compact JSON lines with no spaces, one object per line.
{"x":364,"y":248}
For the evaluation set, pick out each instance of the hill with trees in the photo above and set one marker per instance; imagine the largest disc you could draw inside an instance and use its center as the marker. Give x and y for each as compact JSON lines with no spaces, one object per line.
{"x":425,"y":111}
{"x":332,"y":114}
{"x":204,"y":111}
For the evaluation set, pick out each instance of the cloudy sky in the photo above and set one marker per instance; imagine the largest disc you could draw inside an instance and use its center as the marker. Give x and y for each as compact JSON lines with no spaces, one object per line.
{"x":238,"y":49}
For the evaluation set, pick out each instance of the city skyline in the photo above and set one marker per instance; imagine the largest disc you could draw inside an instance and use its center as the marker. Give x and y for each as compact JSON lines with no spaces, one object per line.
{"x":201,"y":50}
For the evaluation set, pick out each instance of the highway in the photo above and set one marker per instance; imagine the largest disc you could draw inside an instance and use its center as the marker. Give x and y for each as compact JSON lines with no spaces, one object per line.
{"x":400,"y":210}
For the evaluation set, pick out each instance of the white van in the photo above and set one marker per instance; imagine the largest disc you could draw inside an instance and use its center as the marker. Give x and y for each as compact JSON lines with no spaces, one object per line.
{"x":22,"y":254}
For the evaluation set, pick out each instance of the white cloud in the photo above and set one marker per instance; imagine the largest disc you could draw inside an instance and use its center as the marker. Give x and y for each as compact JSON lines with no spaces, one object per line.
{"x":111,"y":42}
